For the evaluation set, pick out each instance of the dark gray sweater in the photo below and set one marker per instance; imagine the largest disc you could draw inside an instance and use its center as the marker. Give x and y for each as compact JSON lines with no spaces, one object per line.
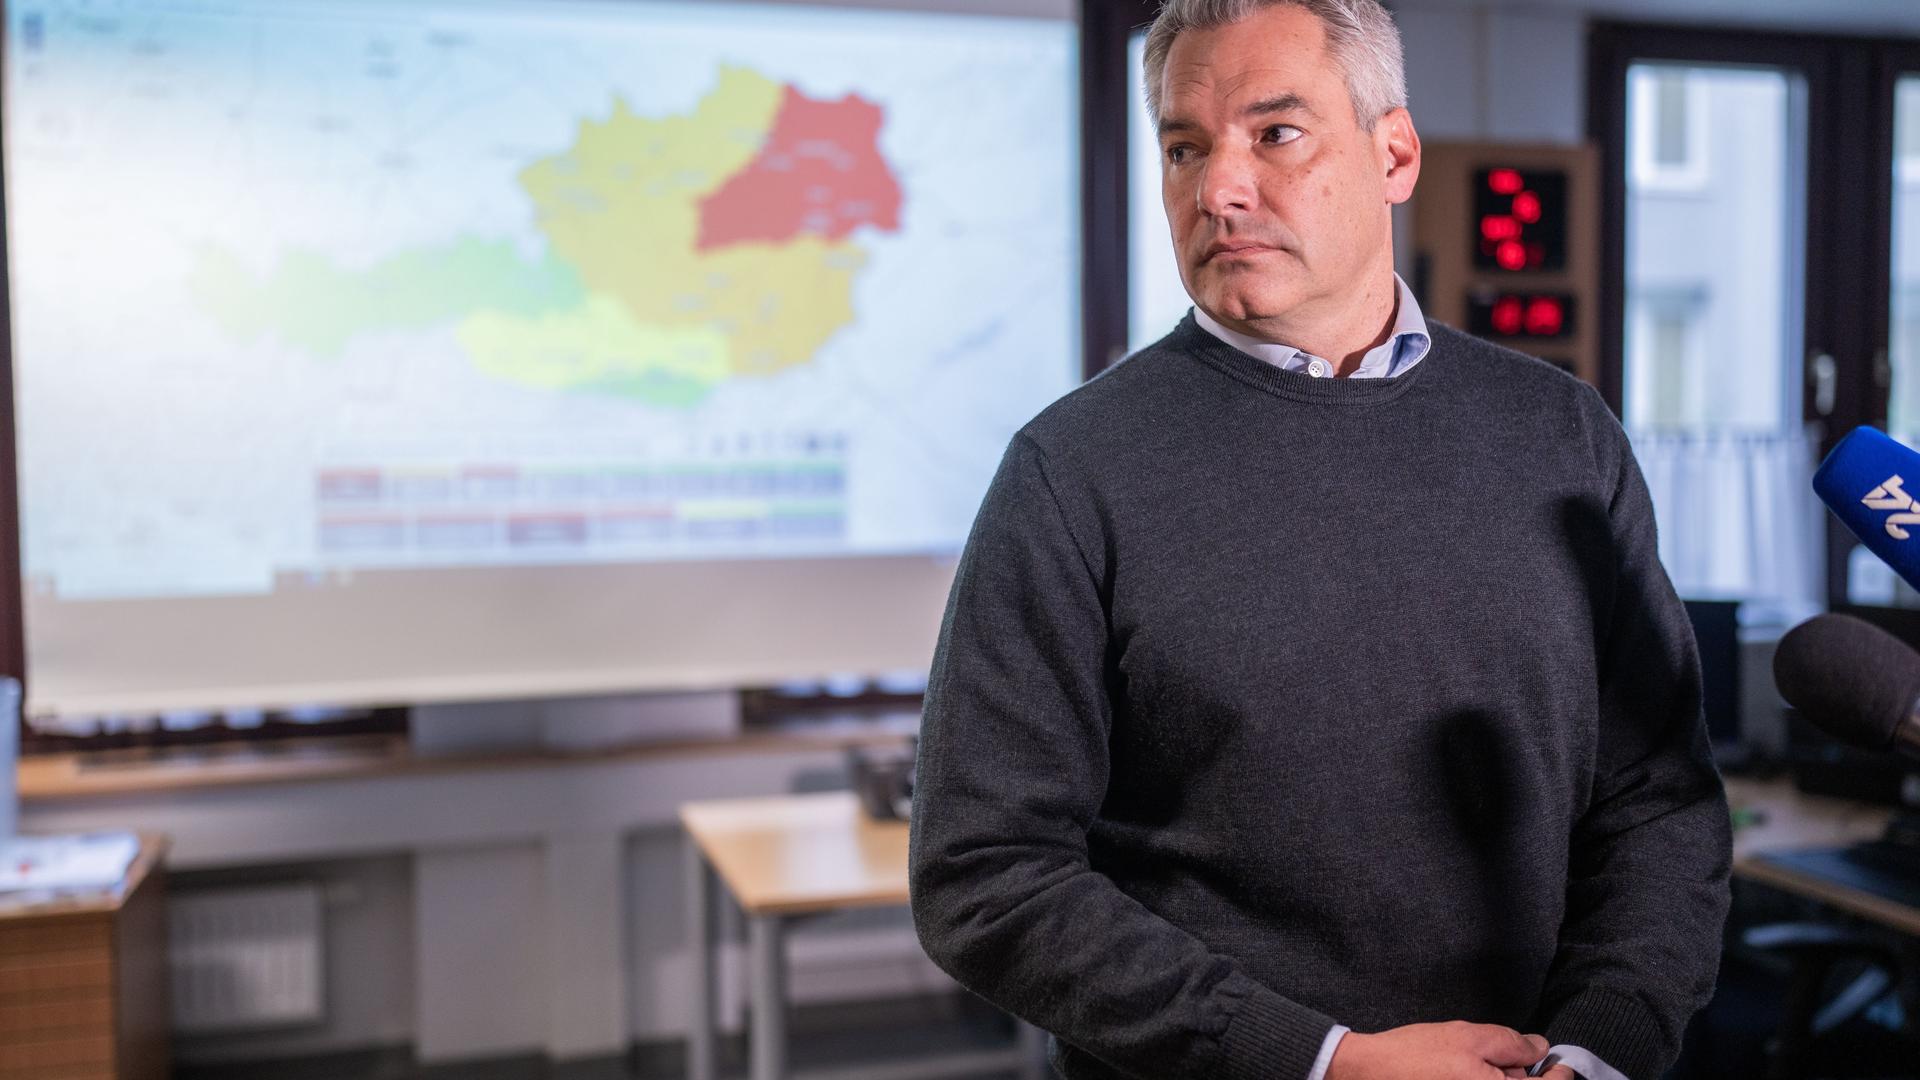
{"x":1265,"y":701}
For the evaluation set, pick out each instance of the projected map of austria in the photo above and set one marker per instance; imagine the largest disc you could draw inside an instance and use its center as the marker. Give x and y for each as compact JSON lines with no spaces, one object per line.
{"x":683,"y":251}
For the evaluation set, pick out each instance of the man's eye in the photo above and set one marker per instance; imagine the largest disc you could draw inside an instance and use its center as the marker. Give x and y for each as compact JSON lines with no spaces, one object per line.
{"x":1280,"y":134}
{"x":1177,"y":155}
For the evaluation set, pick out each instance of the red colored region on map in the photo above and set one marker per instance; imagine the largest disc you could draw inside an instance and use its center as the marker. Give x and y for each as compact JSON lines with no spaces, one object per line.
{"x":820,"y":173}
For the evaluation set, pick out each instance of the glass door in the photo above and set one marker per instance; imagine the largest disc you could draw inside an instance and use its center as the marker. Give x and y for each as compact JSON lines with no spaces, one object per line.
{"x":1714,"y":324}
{"x":1868,"y":580}
{"x":1762,"y":284}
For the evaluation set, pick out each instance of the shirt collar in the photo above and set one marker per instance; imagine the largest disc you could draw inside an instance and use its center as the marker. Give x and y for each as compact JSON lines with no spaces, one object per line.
{"x":1405,"y":346}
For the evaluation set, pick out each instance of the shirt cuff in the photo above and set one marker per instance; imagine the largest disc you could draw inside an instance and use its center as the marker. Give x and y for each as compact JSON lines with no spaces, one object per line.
{"x":1582,"y":1062}
{"x":1587,"y":1066}
{"x":1332,"y":1043}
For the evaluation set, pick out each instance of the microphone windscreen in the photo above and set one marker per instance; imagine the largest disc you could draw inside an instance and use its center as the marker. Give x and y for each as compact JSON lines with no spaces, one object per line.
{"x":1854,"y":680}
{"x":1870,"y":483}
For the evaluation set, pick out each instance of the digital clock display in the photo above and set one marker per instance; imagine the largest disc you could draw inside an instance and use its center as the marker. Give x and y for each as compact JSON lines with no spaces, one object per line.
{"x":1520,"y":315}
{"x":1520,"y":219}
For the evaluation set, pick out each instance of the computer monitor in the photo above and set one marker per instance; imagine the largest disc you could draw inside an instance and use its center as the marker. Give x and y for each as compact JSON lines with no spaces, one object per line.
{"x":1716,"y":629}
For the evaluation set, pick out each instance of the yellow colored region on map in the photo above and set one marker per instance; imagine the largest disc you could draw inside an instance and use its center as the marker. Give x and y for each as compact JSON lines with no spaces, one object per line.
{"x":622,"y":208}
{"x":776,"y":305}
{"x":598,"y":346}
{"x":622,"y":204}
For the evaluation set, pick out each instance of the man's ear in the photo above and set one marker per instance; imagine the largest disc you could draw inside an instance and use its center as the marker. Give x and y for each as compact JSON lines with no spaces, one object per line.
{"x":1399,"y":148}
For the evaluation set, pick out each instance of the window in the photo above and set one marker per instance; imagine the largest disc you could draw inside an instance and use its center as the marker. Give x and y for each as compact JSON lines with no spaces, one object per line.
{"x":1904,"y":408}
{"x":1906,"y":133}
{"x":1903,"y":329}
{"x":1666,"y":372}
{"x":1711,"y":327}
{"x":1714,"y":275}
{"x":1669,"y":128}
{"x":1157,"y":298}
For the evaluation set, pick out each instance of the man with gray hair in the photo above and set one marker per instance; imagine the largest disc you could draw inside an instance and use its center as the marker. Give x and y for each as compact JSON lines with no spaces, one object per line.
{"x":1311,"y":701}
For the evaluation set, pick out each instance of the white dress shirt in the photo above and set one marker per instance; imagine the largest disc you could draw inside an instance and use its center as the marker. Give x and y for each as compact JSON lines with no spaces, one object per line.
{"x":1406,"y":346}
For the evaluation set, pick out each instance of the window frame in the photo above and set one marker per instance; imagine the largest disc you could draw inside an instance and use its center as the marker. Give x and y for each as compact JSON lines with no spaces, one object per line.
{"x":1107,"y":86}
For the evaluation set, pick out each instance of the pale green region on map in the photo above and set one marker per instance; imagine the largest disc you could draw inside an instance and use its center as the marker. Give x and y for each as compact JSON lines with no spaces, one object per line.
{"x":312,"y":303}
{"x":598,"y":347}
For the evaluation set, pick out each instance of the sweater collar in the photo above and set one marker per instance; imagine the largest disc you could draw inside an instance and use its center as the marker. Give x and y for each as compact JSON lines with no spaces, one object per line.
{"x":1189,"y":339}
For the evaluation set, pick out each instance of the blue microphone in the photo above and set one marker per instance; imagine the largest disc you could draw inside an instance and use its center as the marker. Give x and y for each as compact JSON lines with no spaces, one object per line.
{"x":1871,"y":482}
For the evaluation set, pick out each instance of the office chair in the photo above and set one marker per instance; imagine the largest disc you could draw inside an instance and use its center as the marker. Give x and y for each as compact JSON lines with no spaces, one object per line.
{"x":1807,"y":1043}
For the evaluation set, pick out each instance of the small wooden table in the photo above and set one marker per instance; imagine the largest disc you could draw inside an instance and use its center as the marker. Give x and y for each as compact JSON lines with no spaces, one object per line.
{"x":83,"y":981}
{"x":784,"y":858}
{"x":1794,"y":820}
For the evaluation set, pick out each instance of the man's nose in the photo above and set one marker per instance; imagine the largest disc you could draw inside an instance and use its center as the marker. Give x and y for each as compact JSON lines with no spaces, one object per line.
{"x":1227,"y":182}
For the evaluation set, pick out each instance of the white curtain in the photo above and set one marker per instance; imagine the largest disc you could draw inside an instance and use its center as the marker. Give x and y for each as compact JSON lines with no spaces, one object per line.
{"x":1738,"y":518}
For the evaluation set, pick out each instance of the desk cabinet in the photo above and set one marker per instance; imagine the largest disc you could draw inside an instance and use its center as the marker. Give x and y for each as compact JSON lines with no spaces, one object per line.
{"x":83,"y":982}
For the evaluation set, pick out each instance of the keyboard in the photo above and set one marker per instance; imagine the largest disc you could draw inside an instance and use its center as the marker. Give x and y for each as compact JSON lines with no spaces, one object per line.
{"x":1886,"y":869}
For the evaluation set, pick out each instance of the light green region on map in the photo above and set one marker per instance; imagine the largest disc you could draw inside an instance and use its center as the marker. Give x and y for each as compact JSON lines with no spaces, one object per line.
{"x":311,"y":303}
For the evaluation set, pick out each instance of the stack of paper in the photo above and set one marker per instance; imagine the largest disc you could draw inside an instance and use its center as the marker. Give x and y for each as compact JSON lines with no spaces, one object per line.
{"x":65,"y":864}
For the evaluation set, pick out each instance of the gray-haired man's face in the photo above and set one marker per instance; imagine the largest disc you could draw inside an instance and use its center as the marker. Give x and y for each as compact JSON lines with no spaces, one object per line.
{"x":1277,"y":199}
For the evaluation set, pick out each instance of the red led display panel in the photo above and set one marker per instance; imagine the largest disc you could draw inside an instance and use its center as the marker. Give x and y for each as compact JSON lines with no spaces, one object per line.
{"x":1520,"y":315}
{"x":1519,"y":219}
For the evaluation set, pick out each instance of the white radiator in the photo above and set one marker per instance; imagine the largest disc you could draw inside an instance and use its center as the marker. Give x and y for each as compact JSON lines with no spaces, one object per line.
{"x":246,"y":958}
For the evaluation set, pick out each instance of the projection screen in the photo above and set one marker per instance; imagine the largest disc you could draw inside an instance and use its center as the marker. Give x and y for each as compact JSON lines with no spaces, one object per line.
{"x":392,"y":352}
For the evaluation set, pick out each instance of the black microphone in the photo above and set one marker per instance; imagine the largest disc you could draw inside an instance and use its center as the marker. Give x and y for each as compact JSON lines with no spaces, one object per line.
{"x":1855,"y":681}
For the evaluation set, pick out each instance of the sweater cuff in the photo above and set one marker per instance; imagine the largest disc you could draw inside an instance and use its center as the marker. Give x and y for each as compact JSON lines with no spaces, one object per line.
{"x":1268,"y":1036}
{"x":1615,"y":1028}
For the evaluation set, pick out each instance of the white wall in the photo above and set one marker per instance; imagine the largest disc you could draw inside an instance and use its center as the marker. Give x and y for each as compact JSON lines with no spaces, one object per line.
{"x":1492,"y":71}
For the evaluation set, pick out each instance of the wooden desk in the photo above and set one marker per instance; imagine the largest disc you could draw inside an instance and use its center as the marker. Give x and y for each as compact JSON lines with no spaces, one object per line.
{"x":783,"y":858}
{"x":83,"y":981}
{"x":1795,"y":820}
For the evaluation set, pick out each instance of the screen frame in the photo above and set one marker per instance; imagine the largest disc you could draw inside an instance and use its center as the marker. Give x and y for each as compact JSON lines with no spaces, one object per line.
{"x":13,"y":631}
{"x":1103,"y":90}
